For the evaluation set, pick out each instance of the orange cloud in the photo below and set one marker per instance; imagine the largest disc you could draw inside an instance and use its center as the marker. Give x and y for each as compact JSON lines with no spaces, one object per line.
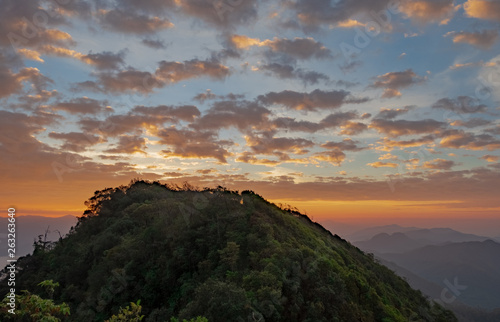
{"x":482,"y":9}
{"x":380,"y":164}
{"x":426,"y":11}
{"x":483,"y":39}
{"x":490,"y":158}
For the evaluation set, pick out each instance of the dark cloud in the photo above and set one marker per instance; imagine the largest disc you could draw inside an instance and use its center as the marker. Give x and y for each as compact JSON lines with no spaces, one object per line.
{"x":168,"y":72}
{"x":167,"y":113}
{"x":82,"y":105}
{"x":461,"y":104}
{"x":289,"y":72}
{"x":140,"y":117}
{"x":185,"y":143}
{"x":131,"y":22}
{"x":129,"y":144}
{"x":389,"y":114}
{"x":394,"y":81}
{"x":242,"y":115}
{"x":474,"y":122}
{"x":345,"y":145}
{"x":439,"y":164}
{"x":312,"y":14}
{"x":281,"y":147}
{"x":152,"y":43}
{"x":76,"y":141}
{"x":290,"y":124}
{"x":105,"y":60}
{"x":405,"y":127}
{"x":312,"y":101}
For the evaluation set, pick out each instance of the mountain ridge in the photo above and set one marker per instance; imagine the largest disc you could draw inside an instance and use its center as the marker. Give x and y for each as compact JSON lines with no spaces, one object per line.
{"x":226,"y":255}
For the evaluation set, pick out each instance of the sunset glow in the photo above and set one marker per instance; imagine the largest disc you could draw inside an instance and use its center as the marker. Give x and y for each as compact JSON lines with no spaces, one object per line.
{"x":370,"y":111}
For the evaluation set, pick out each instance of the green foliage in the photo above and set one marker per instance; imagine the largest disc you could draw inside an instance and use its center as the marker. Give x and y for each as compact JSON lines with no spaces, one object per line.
{"x":131,"y":313}
{"x":31,"y":307}
{"x":215,"y":255}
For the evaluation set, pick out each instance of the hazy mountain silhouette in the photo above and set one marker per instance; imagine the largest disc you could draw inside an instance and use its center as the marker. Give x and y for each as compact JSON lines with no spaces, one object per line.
{"x":475,"y":265}
{"x":28,"y":228}
{"x":385,"y":243}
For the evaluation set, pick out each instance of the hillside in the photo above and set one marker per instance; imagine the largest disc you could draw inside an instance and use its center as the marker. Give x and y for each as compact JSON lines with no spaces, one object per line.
{"x":214,"y":253}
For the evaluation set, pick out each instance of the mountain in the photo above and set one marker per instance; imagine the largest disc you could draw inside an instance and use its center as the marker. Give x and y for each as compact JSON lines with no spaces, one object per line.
{"x":367,"y":233}
{"x":443,"y":235}
{"x":385,"y":243}
{"x":431,"y":236}
{"x":28,"y":228}
{"x":472,"y":266}
{"x":216,"y":253}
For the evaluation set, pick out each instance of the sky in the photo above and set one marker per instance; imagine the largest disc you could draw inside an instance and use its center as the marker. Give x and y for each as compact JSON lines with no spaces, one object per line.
{"x":370,"y":111}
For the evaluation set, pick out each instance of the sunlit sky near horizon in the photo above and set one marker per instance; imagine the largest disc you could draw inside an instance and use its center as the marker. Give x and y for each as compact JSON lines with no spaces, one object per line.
{"x":350,"y":110}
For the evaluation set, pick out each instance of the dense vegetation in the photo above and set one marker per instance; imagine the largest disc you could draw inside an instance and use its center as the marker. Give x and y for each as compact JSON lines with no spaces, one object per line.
{"x":217,"y":254}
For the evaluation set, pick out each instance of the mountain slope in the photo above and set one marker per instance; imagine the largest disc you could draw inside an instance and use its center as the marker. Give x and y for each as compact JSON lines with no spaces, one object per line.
{"x":219,"y":254}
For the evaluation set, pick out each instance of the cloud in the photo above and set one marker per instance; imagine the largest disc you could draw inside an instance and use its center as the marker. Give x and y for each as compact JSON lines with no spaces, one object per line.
{"x":129,"y":144}
{"x":81,"y":105}
{"x":278,"y":146}
{"x":310,"y":101}
{"x":311,"y":15}
{"x":461,"y":104}
{"x":389,"y":114}
{"x":76,"y":141}
{"x":153,"y":43}
{"x":131,"y":22}
{"x":168,"y":72}
{"x":473,"y":64}
{"x":242,"y":115}
{"x":290,"y":124}
{"x":490,"y":158}
{"x":474,"y":122}
{"x":458,"y":139}
{"x":353,"y":128}
{"x":335,"y":157}
{"x":104,"y":60}
{"x":483,"y":39}
{"x":483,"y":9}
{"x":298,"y":48}
{"x":428,"y":139}
{"x":248,"y":157}
{"x":186,"y":143}
{"x":222,"y":14}
{"x":439,"y":164}
{"x":139,"y":118}
{"x":394,"y":81}
{"x":289,"y":72}
{"x":380,"y":164}
{"x":345,"y":145}
{"x":12,"y":83}
{"x":429,"y":11}
{"x":168,"y":113}
{"x":334,"y":120}
{"x":405,"y":127}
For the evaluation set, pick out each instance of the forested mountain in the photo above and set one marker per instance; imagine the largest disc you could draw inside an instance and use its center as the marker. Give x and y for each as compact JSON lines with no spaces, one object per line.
{"x":216,"y":253}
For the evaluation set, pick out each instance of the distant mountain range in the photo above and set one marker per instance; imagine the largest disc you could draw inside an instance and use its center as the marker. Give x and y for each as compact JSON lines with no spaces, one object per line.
{"x":28,"y":228}
{"x":424,"y":235}
{"x":445,"y":264}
